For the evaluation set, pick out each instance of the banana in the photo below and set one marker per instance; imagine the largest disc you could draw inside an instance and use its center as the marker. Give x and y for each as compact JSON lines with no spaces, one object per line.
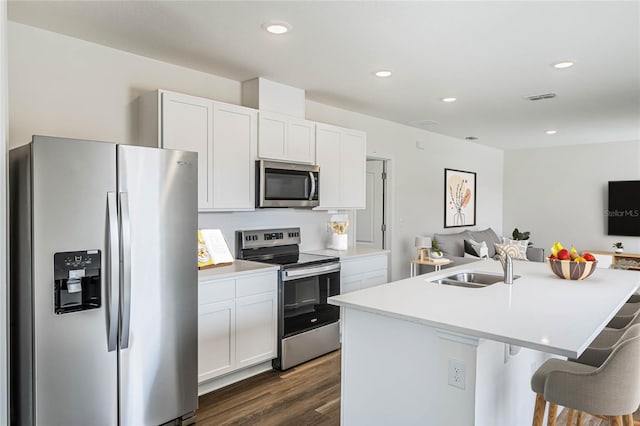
{"x":556,"y":248}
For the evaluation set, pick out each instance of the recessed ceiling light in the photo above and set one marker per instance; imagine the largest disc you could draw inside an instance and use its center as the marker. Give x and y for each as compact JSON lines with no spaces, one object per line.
{"x":276,"y":27}
{"x":383,"y":74}
{"x":563,"y":64}
{"x":551,"y":132}
{"x":449,"y":99}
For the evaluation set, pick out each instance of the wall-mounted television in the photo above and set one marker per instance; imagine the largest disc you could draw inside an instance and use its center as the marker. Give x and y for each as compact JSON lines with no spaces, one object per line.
{"x":624,"y":208}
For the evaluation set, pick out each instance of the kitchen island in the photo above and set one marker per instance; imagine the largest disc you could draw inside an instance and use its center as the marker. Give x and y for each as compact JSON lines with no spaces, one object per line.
{"x":420,"y":353}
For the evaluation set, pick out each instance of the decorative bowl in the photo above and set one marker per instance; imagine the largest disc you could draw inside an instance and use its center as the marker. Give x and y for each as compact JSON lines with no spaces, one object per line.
{"x":436,"y":254}
{"x":570,"y":270}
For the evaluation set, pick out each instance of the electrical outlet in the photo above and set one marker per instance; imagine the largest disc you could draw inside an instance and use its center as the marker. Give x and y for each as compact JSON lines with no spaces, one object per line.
{"x":456,"y":373}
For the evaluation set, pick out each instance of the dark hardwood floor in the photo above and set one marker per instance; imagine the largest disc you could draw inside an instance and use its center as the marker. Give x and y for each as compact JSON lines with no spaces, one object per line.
{"x":305,"y":395}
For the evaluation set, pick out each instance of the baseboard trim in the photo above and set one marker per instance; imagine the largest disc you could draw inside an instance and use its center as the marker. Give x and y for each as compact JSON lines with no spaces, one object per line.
{"x":233,"y":377}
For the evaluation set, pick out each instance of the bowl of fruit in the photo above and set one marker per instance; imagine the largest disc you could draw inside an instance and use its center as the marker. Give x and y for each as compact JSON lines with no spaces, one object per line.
{"x":571,"y":264}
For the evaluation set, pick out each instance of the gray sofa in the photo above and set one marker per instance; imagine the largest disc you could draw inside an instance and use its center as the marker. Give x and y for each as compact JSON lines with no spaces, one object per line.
{"x":452,"y":246}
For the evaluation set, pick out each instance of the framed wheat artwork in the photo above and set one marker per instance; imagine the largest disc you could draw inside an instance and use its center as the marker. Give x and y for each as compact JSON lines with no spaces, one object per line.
{"x":459,"y":198}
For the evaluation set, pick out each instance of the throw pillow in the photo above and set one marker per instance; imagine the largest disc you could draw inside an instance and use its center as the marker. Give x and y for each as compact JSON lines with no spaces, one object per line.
{"x":512,"y":250}
{"x":522,"y":246}
{"x":489,"y":236}
{"x":470,"y":256}
{"x":478,"y":249}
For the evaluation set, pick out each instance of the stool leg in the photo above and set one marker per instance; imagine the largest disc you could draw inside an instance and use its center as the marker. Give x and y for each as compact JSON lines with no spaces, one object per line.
{"x":616,"y":420}
{"x":628,"y":420}
{"x":538,"y":411}
{"x":579,"y":419}
{"x":570,"y":414}
{"x":553,"y":414}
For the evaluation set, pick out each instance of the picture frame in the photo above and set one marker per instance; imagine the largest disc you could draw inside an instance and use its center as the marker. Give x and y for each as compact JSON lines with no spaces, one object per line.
{"x":459,"y":198}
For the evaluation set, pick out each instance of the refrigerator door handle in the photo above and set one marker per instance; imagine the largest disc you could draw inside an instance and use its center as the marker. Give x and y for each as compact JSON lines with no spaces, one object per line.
{"x":125,"y":269}
{"x":113,"y":266}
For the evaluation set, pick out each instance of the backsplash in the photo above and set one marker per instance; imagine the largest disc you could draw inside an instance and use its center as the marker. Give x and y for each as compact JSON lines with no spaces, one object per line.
{"x":313,"y":224}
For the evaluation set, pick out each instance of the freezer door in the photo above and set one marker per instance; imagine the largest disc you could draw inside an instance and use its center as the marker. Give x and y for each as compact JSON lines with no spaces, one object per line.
{"x":158,"y":339}
{"x":75,"y":374}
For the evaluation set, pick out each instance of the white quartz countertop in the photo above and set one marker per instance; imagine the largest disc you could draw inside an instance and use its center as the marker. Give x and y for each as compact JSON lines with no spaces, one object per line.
{"x":538,"y":311}
{"x":237,"y":268}
{"x":350,"y":253}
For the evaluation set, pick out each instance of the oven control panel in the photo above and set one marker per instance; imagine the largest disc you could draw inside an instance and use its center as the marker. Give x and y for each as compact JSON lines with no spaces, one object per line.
{"x":267,"y":237}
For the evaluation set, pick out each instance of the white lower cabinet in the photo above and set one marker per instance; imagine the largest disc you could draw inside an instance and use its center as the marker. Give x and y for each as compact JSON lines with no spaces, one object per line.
{"x":237,"y":323}
{"x":256,"y":328}
{"x":216,"y":339}
{"x":363,"y":272}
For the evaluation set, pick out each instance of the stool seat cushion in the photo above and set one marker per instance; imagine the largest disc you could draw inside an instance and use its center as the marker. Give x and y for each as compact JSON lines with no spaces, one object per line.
{"x":539,"y":377}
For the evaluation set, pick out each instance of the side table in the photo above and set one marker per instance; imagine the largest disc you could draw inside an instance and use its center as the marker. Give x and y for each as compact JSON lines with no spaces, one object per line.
{"x":436,"y":263}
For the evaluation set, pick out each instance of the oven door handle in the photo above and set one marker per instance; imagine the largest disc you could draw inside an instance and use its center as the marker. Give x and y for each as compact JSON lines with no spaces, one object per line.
{"x":309,"y":272}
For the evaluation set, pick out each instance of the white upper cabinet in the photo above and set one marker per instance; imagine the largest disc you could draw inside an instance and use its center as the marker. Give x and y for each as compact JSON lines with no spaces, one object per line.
{"x":187,"y":124}
{"x":234,"y":155}
{"x":286,"y":138}
{"x":223,"y":135}
{"x":341,"y":154}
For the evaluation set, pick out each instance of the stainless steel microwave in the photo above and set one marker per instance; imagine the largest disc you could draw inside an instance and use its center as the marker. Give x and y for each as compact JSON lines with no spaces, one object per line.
{"x":281,"y":184}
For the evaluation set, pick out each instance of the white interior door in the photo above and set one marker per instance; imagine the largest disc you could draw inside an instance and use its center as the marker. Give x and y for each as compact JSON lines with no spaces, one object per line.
{"x":369,"y":222}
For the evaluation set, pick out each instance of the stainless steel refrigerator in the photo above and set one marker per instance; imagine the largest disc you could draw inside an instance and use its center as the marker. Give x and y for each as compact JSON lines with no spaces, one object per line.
{"x":103,"y":284}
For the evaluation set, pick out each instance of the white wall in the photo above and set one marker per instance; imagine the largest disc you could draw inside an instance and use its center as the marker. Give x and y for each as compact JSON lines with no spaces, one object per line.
{"x":417,"y":177}
{"x":63,"y":86}
{"x":561,"y":193}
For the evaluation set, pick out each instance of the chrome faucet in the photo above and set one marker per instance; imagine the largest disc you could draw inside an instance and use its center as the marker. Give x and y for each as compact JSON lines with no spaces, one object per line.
{"x":507,"y":266}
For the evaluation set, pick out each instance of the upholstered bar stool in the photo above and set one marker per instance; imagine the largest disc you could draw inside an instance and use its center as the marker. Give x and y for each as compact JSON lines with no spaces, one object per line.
{"x":629,"y":309}
{"x":623,"y":321}
{"x":635,"y":298}
{"x":596,"y":356}
{"x":612,"y":389}
{"x":610,"y":336}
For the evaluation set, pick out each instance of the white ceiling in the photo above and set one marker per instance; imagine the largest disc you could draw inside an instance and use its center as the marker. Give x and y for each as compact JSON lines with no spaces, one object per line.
{"x":489,"y":55}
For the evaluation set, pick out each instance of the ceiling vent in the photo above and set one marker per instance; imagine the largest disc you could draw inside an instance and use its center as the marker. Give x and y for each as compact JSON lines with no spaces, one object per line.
{"x":541,"y":96}
{"x":422,"y":123}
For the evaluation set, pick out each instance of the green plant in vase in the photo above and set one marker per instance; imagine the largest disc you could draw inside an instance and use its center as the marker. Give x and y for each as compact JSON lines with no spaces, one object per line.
{"x":435,"y":251}
{"x":520,"y":236}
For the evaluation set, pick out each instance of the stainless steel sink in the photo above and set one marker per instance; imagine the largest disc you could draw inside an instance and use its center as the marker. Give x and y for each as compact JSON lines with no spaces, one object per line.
{"x":472,"y":279}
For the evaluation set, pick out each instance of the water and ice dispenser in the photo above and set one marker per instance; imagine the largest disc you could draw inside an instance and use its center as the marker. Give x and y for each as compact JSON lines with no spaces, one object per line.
{"x":77,"y":281}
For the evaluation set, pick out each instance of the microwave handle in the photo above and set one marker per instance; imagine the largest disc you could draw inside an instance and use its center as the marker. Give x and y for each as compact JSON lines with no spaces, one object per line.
{"x":313,"y":186}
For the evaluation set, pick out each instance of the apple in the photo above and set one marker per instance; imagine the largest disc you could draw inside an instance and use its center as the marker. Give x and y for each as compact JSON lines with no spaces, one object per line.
{"x":589,"y":257}
{"x":564,"y":254}
{"x":553,"y":256}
